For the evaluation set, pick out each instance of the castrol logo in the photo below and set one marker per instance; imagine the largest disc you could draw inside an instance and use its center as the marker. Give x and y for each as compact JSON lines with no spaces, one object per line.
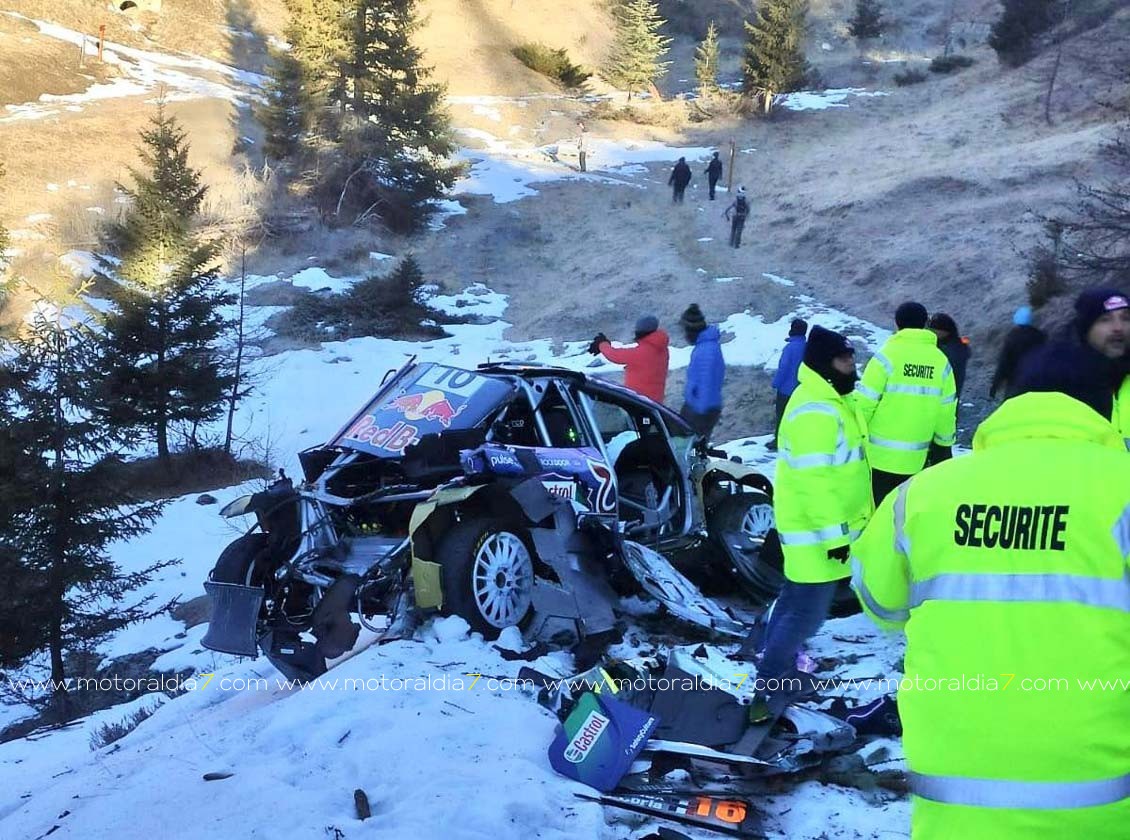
{"x":586,"y":737}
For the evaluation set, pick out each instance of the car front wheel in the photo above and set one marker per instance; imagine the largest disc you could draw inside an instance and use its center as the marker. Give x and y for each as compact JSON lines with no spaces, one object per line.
{"x":488,"y":575}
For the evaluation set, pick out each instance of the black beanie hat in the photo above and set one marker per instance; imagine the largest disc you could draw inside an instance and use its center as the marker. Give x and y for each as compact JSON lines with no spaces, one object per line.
{"x":1068,"y":368}
{"x":692,"y":319}
{"x":942,"y":321}
{"x":1093,"y":304}
{"x":911,"y":316}
{"x":823,"y":346}
{"x":799,"y":326}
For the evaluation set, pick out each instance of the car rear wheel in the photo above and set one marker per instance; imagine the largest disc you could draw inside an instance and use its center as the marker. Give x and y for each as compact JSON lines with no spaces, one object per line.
{"x":747,"y":521}
{"x":488,"y":575}
{"x":744,"y":527}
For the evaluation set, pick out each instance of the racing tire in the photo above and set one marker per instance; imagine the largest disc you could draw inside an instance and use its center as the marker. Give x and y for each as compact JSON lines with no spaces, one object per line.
{"x":751,"y":513}
{"x":488,"y":574}
{"x":236,"y":563}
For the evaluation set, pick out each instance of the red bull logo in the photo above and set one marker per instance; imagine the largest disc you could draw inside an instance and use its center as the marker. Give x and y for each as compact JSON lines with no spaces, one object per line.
{"x":395,"y":438}
{"x":429,"y":405}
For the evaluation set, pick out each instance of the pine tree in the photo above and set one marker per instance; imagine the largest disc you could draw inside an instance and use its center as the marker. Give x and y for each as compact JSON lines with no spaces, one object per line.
{"x":320,"y":35}
{"x":706,"y":62}
{"x":62,"y":502}
{"x":396,"y":142}
{"x":637,"y":52}
{"x":163,"y":366}
{"x":868,"y":20}
{"x":286,"y":115}
{"x":1021,"y":21}
{"x":774,"y":55}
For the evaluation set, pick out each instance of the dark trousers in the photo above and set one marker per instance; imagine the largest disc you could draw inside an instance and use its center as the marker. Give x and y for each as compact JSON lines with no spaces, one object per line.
{"x":736,"y":231}
{"x":679,"y":192}
{"x":581,"y":157}
{"x":704,"y":423}
{"x":713,"y":184}
{"x":782,"y":401}
{"x":796,"y":615}
{"x":883,"y":483}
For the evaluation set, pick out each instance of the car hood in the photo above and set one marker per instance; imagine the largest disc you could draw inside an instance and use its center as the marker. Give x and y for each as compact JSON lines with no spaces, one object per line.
{"x":426,"y":399}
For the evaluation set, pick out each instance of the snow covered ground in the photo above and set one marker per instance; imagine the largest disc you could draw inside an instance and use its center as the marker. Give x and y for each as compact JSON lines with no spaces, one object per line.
{"x":464,"y":761}
{"x":297,"y":755}
{"x":145,"y":72}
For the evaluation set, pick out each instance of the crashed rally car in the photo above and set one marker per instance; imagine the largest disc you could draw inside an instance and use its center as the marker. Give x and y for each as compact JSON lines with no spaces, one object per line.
{"x":508,"y":495}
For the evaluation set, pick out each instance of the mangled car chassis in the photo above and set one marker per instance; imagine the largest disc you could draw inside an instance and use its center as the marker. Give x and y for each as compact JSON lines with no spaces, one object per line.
{"x":512,"y":496}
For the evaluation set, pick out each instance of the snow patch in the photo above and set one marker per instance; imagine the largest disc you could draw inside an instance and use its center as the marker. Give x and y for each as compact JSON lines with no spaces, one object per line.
{"x":820,"y":100}
{"x":780,"y":281}
{"x":318,"y":279}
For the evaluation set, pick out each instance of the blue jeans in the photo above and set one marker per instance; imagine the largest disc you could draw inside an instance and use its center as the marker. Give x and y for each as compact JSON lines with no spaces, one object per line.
{"x":797,"y":614}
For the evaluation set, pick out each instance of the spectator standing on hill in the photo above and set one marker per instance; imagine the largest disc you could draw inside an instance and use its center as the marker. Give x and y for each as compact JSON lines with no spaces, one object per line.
{"x":955,"y":347}
{"x":713,"y":173}
{"x":785,"y":380}
{"x":736,"y":215}
{"x":645,"y":362}
{"x":680,"y":177}
{"x":1021,"y":340}
{"x":702,"y":397}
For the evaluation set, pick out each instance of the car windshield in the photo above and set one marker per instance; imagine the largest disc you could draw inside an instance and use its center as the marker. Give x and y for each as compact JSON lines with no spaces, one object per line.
{"x":431,"y":398}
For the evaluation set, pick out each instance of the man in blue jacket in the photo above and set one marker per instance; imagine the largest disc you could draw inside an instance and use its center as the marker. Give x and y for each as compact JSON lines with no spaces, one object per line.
{"x":702,"y":398}
{"x":785,"y":380}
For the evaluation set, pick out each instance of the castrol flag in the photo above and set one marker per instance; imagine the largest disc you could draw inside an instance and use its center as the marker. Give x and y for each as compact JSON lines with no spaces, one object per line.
{"x":599,"y":740}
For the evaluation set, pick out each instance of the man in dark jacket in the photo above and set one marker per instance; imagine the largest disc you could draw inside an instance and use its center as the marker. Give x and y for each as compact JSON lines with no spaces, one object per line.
{"x":785,"y":380}
{"x":1021,"y":340}
{"x":736,"y":214}
{"x":680,"y":177}
{"x":702,"y":397}
{"x":713,"y":173}
{"x":1097,"y":346}
{"x":953,"y":345}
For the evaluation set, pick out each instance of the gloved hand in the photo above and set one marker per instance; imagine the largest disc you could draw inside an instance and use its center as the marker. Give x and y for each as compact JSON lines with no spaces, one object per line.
{"x":594,"y":348}
{"x":840,"y":553}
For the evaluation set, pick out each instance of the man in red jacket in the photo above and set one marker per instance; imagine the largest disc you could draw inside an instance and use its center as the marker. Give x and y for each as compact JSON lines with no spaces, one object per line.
{"x":645,"y":362}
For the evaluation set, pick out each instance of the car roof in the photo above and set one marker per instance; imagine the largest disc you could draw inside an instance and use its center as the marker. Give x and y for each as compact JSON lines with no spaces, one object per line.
{"x":528,"y":371}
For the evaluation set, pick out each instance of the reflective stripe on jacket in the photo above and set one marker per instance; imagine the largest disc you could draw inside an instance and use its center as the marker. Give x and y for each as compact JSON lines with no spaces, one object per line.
{"x":1122,"y":411}
{"x":1008,"y":569}
{"x":909,"y":400}
{"x":823,"y":495}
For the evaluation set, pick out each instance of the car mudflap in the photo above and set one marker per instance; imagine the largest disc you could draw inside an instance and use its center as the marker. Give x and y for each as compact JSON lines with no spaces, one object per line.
{"x":427,"y":524}
{"x":235,"y":613}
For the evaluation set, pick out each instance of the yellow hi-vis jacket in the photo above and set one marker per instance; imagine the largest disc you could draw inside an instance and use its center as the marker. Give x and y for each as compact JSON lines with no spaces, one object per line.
{"x":908,"y":397}
{"x":1122,"y":411}
{"x":823,"y":495}
{"x":1008,"y":569}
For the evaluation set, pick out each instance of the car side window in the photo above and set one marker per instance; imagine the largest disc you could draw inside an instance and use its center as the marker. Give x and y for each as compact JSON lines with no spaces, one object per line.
{"x":616,"y":425}
{"x":516,"y":425}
